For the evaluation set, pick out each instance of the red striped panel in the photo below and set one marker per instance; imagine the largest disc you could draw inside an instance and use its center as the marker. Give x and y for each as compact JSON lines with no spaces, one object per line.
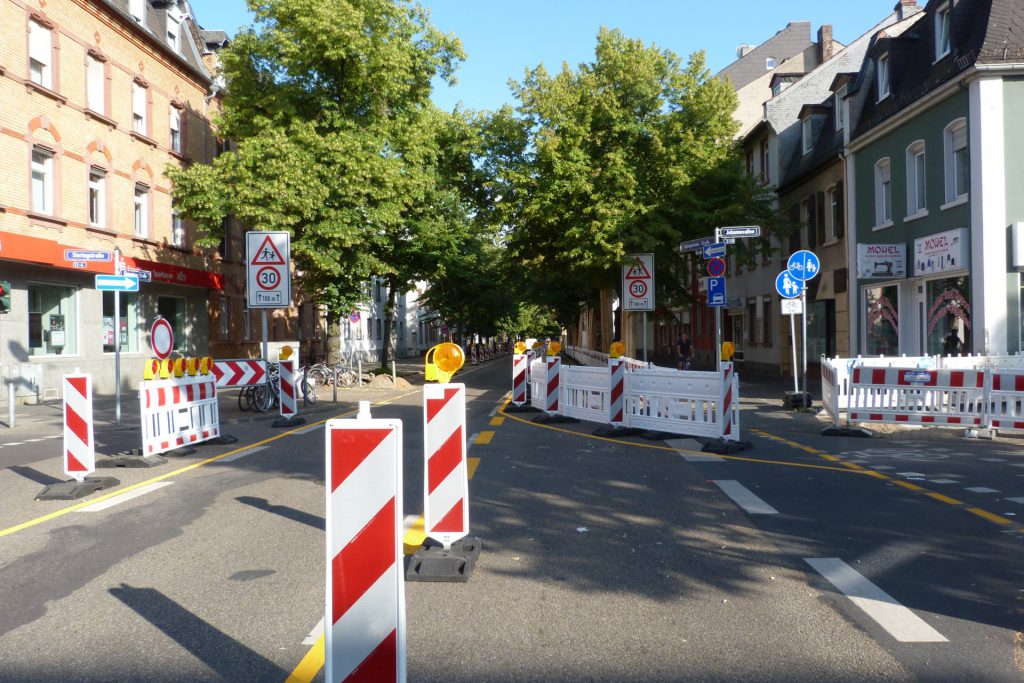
{"x":80,"y":384}
{"x":74,"y":464}
{"x":451,"y":522}
{"x":956,"y":378}
{"x":727,"y":402}
{"x":903,"y":418}
{"x":380,"y":666}
{"x":878,"y":375}
{"x":434,"y":405}
{"x":927,"y":418}
{"x":177,"y":395}
{"x":444,"y":461}
{"x":288,"y":389}
{"x":856,"y":375}
{"x":875,"y":416}
{"x":77,"y":425}
{"x":617,"y":390}
{"x":349,"y":448}
{"x":360,"y":563}
{"x":953,"y":420}
{"x":161,"y":397}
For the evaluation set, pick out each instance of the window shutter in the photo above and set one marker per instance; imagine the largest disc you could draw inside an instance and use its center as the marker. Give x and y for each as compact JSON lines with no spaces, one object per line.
{"x":821,"y":218}
{"x":794,"y":221}
{"x":812,"y":223}
{"x":840,"y":210}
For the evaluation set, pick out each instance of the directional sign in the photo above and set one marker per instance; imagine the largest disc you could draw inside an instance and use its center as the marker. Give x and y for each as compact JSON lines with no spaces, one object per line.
{"x":86,"y":255}
{"x":792,"y":307}
{"x":638,"y":283}
{"x":803,"y":265}
{"x":713,"y":250}
{"x":716,"y":267}
{"x":267,"y":270}
{"x":242,"y":372}
{"x":697,"y":244}
{"x":788,"y":286}
{"x":716,"y":291}
{"x":118,"y":283}
{"x":741,"y":231}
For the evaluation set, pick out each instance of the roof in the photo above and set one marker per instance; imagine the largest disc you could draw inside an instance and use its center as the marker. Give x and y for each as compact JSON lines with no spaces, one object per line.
{"x":785,"y":44}
{"x":828,"y":145}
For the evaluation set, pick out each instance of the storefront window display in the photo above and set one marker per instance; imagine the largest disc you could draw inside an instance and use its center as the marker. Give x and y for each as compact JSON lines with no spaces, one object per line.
{"x":882,"y":328}
{"x":129,"y":322}
{"x":52,"y":320}
{"x":821,"y":329}
{"x":948,"y":309}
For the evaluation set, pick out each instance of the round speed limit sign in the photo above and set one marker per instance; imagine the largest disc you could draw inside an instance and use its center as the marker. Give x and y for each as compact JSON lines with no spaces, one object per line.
{"x":638,"y":288}
{"x":268,"y":277}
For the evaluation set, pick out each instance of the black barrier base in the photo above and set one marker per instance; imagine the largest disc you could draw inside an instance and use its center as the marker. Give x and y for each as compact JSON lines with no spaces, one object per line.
{"x":847,"y":431}
{"x":725,"y":447}
{"x":555,"y":420}
{"x":222,"y":440}
{"x":129,"y":459}
{"x":617,"y":432}
{"x":796,"y":399}
{"x":180,"y":451}
{"x":288,"y":421}
{"x":525,"y":408}
{"x":73,"y":490}
{"x":434,"y":563}
{"x":655,"y":435}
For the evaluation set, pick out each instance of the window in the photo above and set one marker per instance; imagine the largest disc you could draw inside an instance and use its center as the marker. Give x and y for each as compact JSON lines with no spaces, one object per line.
{"x":941,"y":32}
{"x":769,"y":63}
{"x":42,"y":180}
{"x":138,"y":10}
{"x":883,"y":77}
{"x":765,"y":175}
{"x":958,"y":167}
{"x":224,"y":318}
{"x":882,"y":332}
{"x":177,"y":230}
{"x":174,"y":32}
{"x":837,"y":108}
{"x":141,"y":211}
{"x":97,"y":196}
{"x":172,"y":309}
{"x":883,"y":194}
{"x":835,"y":211}
{"x":915,"y":179}
{"x":380,"y":328}
{"x":95,"y":79}
{"x":806,"y":134}
{"x":948,"y":304}
{"x":140,"y":124}
{"x":175,"y":126}
{"x":752,"y":326}
{"x":766,"y":320}
{"x":52,"y":320}
{"x":129,"y":322}
{"x":40,"y":54}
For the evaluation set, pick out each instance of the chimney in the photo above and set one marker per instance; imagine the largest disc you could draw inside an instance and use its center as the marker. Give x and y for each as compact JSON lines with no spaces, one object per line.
{"x":906,"y":8}
{"x":826,"y":45}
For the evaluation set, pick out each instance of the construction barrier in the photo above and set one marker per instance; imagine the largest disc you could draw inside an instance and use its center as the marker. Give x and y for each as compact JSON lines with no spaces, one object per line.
{"x":554,"y":366}
{"x":286,"y":389}
{"x":585,"y":393}
{"x":79,"y":445}
{"x":1005,"y":401}
{"x":617,"y":391}
{"x":729,"y":417}
{"x":597,"y":359}
{"x":445,"y":476}
{"x":520,"y":372}
{"x":240,"y":372}
{"x":538,"y":382}
{"x":364,"y":623}
{"x":916,"y":396}
{"x":681,"y":402}
{"x":178,"y":411}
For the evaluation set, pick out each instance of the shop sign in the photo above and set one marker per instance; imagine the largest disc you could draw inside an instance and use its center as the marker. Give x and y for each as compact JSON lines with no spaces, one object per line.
{"x":942,"y":252}
{"x":881,"y":260}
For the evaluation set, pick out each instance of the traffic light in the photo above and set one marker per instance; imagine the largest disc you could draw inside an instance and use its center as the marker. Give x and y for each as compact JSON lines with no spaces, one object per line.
{"x":5,"y":296}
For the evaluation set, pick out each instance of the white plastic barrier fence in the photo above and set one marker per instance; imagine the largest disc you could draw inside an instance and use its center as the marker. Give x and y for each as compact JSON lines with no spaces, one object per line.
{"x":1006,"y":399}
{"x":841,"y":369}
{"x":538,"y":383}
{"x":597,"y":359}
{"x":177,"y":412}
{"x":1014,"y":362}
{"x":585,"y":393}
{"x":916,"y":396}
{"x":681,"y":402}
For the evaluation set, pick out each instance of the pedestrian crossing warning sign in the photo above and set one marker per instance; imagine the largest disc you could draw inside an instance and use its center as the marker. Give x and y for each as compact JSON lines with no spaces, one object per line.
{"x":638,"y":282}
{"x":268,"y":254}
{"x":638,"y":271}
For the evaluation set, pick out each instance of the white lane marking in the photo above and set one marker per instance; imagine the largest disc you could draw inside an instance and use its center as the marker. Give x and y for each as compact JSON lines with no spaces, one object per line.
{"x":691,"y":445}
{"x":981,"y":489}
{"x":32,"y":440}
{"x":1015,"y":500}
{"x":315,"y":634}
{"x":13,"y":443}
{"x":910,"y":474}
{"x":897,"y":620}
{"x":494,"y":411}
{"x":125,"y":497}
{"x":942,"y":481}
{"x":994,"y":459}
{"x":307,"y":430}
{"x":1018,"y":464}
{"x":242,"y":454}
{"x":882,"y":467}
{"x":471,"y":440}
{"x":54,"y":436}
{"x":744,"y":497}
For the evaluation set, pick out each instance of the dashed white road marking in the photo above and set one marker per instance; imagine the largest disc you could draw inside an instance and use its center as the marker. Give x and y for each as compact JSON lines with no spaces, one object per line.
{"x":994,"y":459}
{"x":942,"y":481}
{"x":981,"y":489}
{"x":1015,"y":500}
{"x":910,"y":474}
{"x":32,"y":440}
{"x":125,"y":497}
{"x":54,"y":436}
{"x":744,"y":497}
{"x":898,"y":621}
{"x":14,"y":443}
{"x":242,"y":454}
{"x":315,"y":634}
{"x":307,"y":430}
{"x":882,"y":467}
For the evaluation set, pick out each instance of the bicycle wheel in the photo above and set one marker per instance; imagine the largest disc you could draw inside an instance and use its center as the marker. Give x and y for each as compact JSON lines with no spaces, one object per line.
{"x":262,"y":398}
{"x":317,"y":376}
{"x":243,"y":398}
{"x":348,"y":379}
{"x":308,"y":390}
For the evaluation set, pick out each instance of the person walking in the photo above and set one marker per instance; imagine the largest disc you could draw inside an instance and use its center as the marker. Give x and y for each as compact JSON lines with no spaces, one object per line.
{"x":952,"y":346}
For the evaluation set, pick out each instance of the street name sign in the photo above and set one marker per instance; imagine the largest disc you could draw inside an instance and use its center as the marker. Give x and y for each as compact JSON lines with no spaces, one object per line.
{"x":803,"y":265}
{"x":716,"y":292}
{"x":87,"y":255}
{"x":267,"y":269}
{"x":741,"y":231}
{"x":697,"y":244}
{"x":638,"y":283}
{"x":714,"y":250}
{"x":117,"y":283}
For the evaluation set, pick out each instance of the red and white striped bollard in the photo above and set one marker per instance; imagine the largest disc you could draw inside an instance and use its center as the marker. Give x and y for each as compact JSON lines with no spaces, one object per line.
{"x":79,"y":445}
{"x":520,"y":377}
{"x":554,"y":370}
{"x":445,"y":476}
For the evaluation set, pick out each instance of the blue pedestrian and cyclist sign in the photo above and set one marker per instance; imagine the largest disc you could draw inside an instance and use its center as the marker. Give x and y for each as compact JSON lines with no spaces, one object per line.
{"x":803,"y":265}
{"x":788,"y":286}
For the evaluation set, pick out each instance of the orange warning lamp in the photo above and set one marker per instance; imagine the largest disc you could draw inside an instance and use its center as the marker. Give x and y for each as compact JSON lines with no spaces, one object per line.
{"x":520,"y":348}
{"x":205,"y":364}
{"x":443,"y":361}
{"x":538,"y":344}
{"x":285,"y":353}
{"x":617,"y":349}
{"x":554,"y":348}
{"x":179,"y":367}
{"x":165,"y":368}
{"x":728,"y":349}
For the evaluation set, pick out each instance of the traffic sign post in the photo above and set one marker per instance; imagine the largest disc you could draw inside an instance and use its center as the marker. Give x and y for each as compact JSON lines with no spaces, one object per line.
{"x":802,"y":265}
{"x":268,"y":273}
{"x":638,"y":287}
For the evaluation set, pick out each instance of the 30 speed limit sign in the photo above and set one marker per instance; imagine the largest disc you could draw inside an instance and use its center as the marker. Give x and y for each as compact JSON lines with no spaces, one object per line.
{"x":638,"y":283}
{"x":268,"y":273}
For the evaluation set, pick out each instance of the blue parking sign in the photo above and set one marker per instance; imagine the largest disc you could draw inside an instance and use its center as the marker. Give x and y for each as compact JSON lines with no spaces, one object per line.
{"x":716,"y":292}
{"x":803,"y":265}
{"x":788,"y":286}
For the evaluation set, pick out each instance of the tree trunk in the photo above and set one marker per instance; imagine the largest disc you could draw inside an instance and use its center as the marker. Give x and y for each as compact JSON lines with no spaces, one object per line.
{"x":387,"y":343}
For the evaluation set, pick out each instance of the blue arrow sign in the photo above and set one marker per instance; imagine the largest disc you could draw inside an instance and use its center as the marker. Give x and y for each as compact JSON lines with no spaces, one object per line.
{"x":716,"y":291}
{"x":118,"y":283}
{"x":803,"y":265}
{"x":713,"y":250}
{"x":787,"y":285}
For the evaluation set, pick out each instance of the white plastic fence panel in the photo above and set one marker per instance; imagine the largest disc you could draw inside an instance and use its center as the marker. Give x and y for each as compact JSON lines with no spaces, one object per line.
{"x":844,"y":369}
{"x":538,"y":383}
{"x":1005,"y":399}
{"x":1009,"y":362}
{"x":585,"y":393}
{"x":911,"y":395}
{"x":678,"y":402}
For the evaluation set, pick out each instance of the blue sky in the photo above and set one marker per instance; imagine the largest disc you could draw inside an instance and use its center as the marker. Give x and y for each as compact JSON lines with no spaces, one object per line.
{"x":502,"y":39}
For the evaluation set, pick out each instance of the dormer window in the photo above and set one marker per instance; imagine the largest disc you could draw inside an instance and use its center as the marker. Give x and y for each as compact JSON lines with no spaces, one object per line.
{"x":769,"y":63}
{"x":806,"y":134}
{"x":883,"y":77}
{"x":137,"y":8}
{"x":942,"y":32}
{"x":837,"y":108}
{"x":174,"y":29}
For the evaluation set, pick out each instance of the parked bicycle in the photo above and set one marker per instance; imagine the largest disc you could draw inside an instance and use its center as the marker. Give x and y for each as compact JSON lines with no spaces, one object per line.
{"x":261,"y":398}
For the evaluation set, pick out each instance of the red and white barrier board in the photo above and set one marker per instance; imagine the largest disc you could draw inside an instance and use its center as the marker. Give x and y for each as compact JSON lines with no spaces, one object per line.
{"x":616,"y":400}
{"x":286,"y":384}
{"x":520,"y":371}
{"x":917,"y":396}
{"x":365,"y":611}
{"x":79,"y":445}
{"x":445,"y":477}
{"x":730,"y":415}
{"x":1006,"y":399}
{"x":554,"y":365}
{"x":240,"y":372}
{"x":178,"y":412}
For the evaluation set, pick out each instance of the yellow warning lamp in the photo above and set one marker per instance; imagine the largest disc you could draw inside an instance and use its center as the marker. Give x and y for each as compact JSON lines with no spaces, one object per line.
{"x":617,"y":349}
{"x":151,"y":370}
{"x":554,"y":348}
{"x":192,"y":367}
{"x":538,"y":344}
{"x":285,"y":353}
{"x":443,"y":361}
{"x":205,"y":364}
{"x":520,"y":348}
{"x":179,"y":367}
{"x":728,"y":349}
{"x":165,"y":368}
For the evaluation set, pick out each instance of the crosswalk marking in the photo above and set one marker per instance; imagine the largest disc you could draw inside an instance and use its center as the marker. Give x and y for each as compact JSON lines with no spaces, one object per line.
{"x":898,"y":621}
{"x":124,"y":497}
{"x":241,"y":454}
{"x":744,"y":497}
{"x":315,"y":634}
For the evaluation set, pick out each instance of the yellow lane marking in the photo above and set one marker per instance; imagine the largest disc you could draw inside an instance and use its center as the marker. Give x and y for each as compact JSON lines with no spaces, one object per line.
{"x":852,"y":466}
{"x":497,"y":421}
{"x":830,"y":458}
{"x":196,"y":465}
{"x":908,"y":485}
{"x":471,"y":465}
{"x":483,"y":438}
{"x":310,"y":665}
{"x":944,"y":499}
{"x":989,"y":516}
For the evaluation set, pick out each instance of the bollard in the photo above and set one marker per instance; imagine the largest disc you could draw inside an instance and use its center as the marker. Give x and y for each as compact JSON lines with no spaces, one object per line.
{"x":394,"y":374}
{"x":10,"y":404}
{"x":359,"y":377}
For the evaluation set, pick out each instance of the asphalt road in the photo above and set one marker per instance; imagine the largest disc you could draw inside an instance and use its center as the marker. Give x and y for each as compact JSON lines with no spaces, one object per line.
{"x":603,"y":560}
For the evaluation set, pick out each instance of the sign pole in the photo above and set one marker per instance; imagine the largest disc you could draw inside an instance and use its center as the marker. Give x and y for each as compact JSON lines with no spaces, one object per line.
{"x":645,"y":336}
{"x":265,"y":357}
{"x":792,"y":335}
{"x":117,"y":341}
{"x":718,"y":318}
{"x":803,"y":319}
